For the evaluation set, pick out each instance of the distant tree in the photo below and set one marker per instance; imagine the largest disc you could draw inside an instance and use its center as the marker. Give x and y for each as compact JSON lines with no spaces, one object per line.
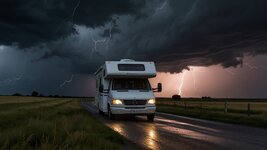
{"x":206,"y":97}
{"x":41,"y":95}
{"x":17,"y":94}
{"x":56,"y":96}
{"x":34,"y":93}
{"x":176,"y":97}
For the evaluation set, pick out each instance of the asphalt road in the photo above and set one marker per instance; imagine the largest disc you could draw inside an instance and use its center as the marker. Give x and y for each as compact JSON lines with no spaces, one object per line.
{"x":176,"y":132}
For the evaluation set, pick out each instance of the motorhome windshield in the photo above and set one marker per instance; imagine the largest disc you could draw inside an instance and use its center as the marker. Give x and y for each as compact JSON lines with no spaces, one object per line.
{"x":130,"y":84}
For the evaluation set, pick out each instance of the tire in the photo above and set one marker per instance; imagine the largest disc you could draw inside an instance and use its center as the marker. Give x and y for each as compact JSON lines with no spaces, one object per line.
{"x":110,"y":115}
{"x":100,"y":112}
{"x":151,"y":117}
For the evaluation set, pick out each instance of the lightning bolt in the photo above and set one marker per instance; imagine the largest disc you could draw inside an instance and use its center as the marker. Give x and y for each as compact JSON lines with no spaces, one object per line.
{"x":19,"y":77}
{"x":161,"y":7}
{"x":250,"y":66}
{"x":105,"y":40}
{"x":67,"y":81}
{"x":97,"y":41}
{"x":70,"y":18}
{"x":74,"y":10}
{"x":95,"y":44}
{"x":230,"y":72}
{"x":182,"y":83}
{"x":109,"y":38}
{"x":12,"y":80}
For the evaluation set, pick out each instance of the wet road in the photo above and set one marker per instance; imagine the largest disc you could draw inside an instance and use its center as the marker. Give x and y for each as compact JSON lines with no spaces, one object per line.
{"x":176,"y":132}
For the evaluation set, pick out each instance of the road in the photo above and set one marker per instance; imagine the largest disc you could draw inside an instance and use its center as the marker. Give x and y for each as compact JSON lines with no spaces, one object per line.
{"x":177,"y":132}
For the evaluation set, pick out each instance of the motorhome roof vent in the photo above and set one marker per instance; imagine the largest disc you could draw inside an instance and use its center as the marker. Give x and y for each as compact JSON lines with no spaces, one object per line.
{"x":127,"y":60}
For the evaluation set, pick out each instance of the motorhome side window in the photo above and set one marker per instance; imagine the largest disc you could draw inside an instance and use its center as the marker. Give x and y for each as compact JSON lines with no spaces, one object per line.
{"x":131,"y":67}
{"x":130,"y":84}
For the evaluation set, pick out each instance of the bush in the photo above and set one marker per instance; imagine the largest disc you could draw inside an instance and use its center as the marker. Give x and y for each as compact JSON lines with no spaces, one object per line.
{"x":17,"y":94}
{"x":206,"y":97}
{"x":34,"y":93}
{"x":176,"y":97}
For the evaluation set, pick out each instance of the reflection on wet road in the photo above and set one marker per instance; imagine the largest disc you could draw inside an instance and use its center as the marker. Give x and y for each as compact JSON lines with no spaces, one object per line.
{"x":174,"y":132}
{"x":136,"y":132}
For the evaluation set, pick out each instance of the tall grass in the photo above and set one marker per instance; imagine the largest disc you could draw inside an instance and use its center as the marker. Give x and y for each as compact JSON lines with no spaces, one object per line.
{"x":54,"y":124}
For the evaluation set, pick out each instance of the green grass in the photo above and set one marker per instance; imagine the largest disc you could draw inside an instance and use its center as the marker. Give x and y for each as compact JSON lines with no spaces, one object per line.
{"x":52,"y":123}
{"x":214,"y":110}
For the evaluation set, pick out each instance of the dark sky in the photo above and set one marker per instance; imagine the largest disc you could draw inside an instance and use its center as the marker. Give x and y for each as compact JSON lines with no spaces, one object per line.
{"x":44,"y":43}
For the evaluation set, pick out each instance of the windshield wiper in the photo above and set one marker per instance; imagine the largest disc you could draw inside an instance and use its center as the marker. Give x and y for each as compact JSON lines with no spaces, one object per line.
{"x":143,"y":90}
{"x":122,"y":90}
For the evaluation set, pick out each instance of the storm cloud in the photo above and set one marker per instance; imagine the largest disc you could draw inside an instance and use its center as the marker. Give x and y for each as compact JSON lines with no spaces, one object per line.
{"x":30,"y":22}
{"x":78,"y":36}
{"x":199,"y":33}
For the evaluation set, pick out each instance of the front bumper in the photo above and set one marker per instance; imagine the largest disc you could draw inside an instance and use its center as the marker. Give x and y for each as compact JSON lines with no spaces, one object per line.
{"x":133,"y":110}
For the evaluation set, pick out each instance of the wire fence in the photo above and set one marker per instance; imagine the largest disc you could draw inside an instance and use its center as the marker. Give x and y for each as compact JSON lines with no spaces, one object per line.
{"x":249,"y":108}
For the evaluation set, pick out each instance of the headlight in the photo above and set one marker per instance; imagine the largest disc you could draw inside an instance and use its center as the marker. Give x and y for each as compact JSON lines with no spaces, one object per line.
{"x":151,"y":101}
{"x":116,"y":102}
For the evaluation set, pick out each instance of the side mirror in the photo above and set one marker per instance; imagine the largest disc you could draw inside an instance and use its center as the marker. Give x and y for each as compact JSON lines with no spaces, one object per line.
{"x":159,"y":87}
{"x":101,"y":89}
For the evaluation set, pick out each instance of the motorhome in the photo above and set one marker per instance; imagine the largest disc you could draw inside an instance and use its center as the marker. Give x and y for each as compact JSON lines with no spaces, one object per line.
{"x":122,"y":87}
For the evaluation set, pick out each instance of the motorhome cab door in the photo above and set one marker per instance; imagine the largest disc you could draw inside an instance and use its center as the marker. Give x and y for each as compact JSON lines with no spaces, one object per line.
{"x":101,"y":97}
{"x":98,"y":96}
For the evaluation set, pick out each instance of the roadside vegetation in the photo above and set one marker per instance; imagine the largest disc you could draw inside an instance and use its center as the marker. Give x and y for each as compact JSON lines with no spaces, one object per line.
{"x":246,"y":112}
{"x":52,"y":123}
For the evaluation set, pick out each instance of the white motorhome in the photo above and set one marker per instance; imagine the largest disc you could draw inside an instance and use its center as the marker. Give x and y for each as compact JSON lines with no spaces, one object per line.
{"x":122,"y":87}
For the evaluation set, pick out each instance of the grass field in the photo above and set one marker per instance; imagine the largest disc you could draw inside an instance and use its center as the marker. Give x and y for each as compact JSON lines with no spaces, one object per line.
{"x":52,"y":123}
{"x":214,"y":109}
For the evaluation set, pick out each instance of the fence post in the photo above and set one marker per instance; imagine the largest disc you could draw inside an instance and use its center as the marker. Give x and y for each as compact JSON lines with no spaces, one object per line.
{"x":201,"y":103}
{"x":248,"y":109}
{"x":225,"y":106}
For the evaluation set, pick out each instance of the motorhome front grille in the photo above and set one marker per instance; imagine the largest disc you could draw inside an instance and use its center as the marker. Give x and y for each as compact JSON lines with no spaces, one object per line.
{"x":135,"y":102}
{"x":134,"y":107}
